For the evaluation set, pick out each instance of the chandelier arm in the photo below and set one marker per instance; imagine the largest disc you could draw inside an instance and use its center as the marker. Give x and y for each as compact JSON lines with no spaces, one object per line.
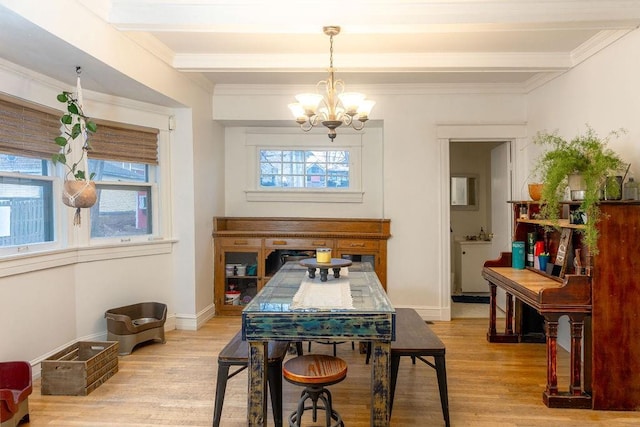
{"x":354,"y":125}
{"x":315,"y":120}
{"x":306,"y":126}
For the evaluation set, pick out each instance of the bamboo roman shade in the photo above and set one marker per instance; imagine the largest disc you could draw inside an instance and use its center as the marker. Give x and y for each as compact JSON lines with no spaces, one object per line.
{"x":113,"y":142}
{"x":26,"y":131}
{"x":29,"y":132}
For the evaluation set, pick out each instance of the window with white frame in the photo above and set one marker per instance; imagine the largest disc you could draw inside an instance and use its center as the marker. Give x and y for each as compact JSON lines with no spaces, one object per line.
{"x":124,"y":206}
{"x":125,"y":165}
{"x":290,"y":167}
{"x":304,"y":168}
{"x":26,"y":176}
{"x":123,"y":157}
{"x":26,"y":201}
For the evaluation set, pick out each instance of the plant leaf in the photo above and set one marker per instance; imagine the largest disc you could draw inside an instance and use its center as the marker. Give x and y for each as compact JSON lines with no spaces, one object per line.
{"x":61,"y":141}
{"x":66,"y":119}
{"x":75,"y":131}
{"x":59,"y":158}
{"x":91,"y":126}
{"x":73,"y":108}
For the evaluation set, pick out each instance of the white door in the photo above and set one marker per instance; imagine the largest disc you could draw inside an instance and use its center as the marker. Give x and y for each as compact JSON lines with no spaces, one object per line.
{"x":500,"y":209}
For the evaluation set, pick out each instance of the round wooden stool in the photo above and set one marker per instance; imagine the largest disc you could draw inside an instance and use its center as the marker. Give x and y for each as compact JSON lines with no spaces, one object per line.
{"x":314,"y":372}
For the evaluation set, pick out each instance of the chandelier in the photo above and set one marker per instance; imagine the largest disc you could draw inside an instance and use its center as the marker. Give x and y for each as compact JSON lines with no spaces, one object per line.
{"x":335,"y":107}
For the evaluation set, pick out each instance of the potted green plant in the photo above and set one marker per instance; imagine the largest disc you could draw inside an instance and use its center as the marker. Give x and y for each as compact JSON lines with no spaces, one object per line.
{"x":587,"y":156}
{"x":79,"y":189}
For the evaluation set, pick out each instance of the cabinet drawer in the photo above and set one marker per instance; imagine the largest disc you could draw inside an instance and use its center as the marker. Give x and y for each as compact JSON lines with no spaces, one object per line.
{"x":358,"y":244}
{"x":287,"y":243}
{"x":240,"y":242}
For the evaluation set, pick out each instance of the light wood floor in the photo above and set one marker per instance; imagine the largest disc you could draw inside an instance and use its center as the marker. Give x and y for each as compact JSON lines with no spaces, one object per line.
{"x":173,"y":385}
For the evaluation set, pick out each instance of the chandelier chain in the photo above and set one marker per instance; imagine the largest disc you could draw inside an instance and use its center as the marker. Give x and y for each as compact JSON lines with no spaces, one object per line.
{"x":331,"y":51}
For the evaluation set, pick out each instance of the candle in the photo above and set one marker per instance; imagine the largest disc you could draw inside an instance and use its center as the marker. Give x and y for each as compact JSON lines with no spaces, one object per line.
{"x":323,"y":255}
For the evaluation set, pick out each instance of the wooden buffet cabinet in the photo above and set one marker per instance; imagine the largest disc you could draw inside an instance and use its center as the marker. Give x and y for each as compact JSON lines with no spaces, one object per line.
{"x":258,"y":247}
{"x":603,"y":308}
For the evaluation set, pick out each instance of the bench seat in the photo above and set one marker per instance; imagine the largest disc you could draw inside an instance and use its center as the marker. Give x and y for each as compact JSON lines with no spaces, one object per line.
{"x":236,"y":353}
{"x":415,"y":339}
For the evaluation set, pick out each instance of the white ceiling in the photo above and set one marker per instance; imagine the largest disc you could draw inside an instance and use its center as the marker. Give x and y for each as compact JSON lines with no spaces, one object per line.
{"x":520,"y":43}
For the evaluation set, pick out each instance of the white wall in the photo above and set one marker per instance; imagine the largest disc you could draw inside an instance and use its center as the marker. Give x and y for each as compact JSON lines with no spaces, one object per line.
{"x":240,"y":158}
{"x":62,"y":297}
{"x":603,"y":92}
{"x":413,"y":174}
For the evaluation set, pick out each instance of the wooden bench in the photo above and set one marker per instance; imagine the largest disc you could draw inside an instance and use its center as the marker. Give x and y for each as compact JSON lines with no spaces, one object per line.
{"x":236,"y":353}
{"x":414,"y":338}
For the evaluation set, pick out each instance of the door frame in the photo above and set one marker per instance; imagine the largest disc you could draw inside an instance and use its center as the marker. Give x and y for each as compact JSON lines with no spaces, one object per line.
{"x":515,"y":134}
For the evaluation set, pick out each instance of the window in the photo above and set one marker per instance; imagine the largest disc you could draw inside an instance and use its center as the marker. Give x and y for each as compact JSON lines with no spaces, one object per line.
{"x":26,"y":201}
{"x":26,"y":187}
{"x":124,"y":194}
{"x":304,"y":169}
{"x":124,"y":161}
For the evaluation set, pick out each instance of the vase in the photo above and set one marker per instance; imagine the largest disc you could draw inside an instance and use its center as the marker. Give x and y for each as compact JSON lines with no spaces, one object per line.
{"x":535,"y":191}
{"x":79,"y":194}
{"x":577,"y":186}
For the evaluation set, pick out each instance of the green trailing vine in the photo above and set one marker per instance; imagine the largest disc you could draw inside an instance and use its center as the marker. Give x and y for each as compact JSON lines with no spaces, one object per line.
{"x":75,"y":123}
{"x":588,"y":155}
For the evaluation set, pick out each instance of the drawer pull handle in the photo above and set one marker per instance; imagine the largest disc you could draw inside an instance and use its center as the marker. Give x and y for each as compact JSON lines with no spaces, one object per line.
{"x":280,"y":242}
{"x":357,"y":245}
{"x":240,"y":242}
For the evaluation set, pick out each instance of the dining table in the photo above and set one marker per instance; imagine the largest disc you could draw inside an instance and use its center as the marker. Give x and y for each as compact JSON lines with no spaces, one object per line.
{"x":293,"y":307}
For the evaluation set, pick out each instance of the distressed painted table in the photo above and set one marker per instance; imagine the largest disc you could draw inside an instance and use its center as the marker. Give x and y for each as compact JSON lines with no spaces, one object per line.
{"x":268,"y":317}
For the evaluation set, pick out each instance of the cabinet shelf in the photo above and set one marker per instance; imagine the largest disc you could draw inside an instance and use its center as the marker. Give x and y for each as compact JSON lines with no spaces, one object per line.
{"x":561,"y":223}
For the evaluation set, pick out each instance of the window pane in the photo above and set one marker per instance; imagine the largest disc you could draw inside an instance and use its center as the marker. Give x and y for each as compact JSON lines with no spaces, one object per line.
{"x":26,"y":211}
{"x":121,"y":211}
{"x":106,"y":170}
{"x":270,"y":156}
{"x":23,"y":165}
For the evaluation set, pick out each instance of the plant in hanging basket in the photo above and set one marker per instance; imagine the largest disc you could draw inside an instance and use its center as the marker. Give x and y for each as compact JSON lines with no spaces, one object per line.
{"x":79,"y":191}
{"x":79,"y":194}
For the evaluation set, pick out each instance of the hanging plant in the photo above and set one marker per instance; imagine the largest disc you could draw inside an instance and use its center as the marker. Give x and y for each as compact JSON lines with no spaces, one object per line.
{"x":79,"y":191}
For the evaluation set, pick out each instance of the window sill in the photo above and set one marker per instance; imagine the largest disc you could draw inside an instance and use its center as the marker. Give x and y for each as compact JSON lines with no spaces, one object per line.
{"x":307,"y":196}
{"x":26,"y":263}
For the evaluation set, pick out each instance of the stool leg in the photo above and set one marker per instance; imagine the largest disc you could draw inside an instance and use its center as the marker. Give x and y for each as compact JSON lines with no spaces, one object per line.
{"x":274,"y":375}
{"x":327,"y":409}
{"x":221,"y":386}
{"x":441,"y":371}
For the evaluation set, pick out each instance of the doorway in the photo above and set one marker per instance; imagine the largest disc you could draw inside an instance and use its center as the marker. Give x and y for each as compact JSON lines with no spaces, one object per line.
{"x":479,"y":223}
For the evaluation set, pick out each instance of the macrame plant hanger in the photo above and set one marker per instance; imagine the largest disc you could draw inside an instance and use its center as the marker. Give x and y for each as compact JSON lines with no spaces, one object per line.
{"x":74,"y":190}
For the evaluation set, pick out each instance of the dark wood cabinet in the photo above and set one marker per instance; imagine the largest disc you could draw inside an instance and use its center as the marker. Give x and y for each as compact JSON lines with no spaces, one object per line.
{"x":260,"y":246}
